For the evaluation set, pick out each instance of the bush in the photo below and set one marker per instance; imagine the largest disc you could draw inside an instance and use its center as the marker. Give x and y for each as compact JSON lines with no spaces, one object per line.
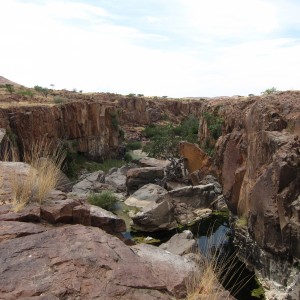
{"x":105,"y":200}
{"x":42,"y":90}
{"x":270,"y":91}
{"x":10,"y":88}
{"x":214,"y":124}
{"x":127,"y":157}
{"x":134,"y":145}
{"x":164,"y":139}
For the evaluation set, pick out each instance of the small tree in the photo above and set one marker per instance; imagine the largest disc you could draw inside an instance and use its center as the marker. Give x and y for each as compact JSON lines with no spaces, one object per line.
{"x":270,"y":91}
{"x":42,"y":90}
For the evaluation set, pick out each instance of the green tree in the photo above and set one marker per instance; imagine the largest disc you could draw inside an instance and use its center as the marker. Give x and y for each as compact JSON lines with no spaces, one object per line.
{"x":270,"y":91}
{"x":42,"y":90}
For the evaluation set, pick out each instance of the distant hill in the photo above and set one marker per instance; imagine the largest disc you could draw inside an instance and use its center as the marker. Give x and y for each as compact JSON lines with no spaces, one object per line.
{"x":3,"y":81}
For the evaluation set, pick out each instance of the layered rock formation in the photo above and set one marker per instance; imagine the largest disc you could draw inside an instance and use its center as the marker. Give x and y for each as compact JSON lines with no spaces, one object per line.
{"x":86,"y":126}
{"x":258,"y":156}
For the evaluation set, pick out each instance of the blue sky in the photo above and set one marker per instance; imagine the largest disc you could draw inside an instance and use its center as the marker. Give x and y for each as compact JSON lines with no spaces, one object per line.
{"x":178,"y":48}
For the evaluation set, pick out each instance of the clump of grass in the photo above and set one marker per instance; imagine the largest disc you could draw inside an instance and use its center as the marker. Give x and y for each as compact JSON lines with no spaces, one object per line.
{"x":106,"y":200}
{"x":45,"y":160}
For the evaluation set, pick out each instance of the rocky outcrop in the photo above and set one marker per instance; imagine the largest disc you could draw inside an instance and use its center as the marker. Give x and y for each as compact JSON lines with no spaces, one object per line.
{"x":138,"y":177}
{"x":179,"y":206}
{"x":85,"y":263}
{"x":195,"y":159}
{"x":258,"y":156}
{"x":86,"y":126}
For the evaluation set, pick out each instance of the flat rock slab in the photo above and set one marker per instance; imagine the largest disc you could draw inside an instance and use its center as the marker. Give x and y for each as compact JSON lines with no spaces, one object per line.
{"x":11,"y":229}
{"x":78,"y":262}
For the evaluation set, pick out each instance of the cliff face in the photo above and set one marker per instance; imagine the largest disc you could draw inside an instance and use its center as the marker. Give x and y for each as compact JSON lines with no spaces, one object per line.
{"x":87,"y":125}
{"x":258,"y":157}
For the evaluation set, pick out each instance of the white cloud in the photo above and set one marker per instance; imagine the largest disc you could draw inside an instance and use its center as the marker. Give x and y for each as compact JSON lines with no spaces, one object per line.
{"x":77,"y":45}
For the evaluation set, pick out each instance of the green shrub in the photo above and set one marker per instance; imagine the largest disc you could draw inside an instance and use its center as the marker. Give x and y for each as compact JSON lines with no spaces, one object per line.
{"x":127,"y":157}
{"x":42,"y":90}
{"x":10,"y":88}
{"x":270,"y":91}
{"x":106,"y":200}
{"x":214,"y":124}
{"x":134,"y":145}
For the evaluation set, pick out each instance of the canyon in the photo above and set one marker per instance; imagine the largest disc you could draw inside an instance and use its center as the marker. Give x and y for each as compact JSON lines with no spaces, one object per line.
{"x":256,"y":159}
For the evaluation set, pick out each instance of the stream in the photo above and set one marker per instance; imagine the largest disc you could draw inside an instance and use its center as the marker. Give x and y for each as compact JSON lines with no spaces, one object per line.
{"x":213,"y":235}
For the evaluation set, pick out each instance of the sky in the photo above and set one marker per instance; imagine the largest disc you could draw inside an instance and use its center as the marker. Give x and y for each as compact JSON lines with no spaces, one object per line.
{"x":175,"y":48}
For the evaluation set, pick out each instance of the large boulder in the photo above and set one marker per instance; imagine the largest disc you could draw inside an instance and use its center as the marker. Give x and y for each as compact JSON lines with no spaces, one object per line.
{"x":116,"y":177}
{"x":137,"y":177}
{"x":157,"y":216}
{"x":179,"y":206}
{"x":81,"y":262}
{"x":91,"y":183}
{"x":146,"y":195}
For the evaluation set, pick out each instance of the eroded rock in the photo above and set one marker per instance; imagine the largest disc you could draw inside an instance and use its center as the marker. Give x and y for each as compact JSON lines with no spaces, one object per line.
{"x":86,"y":263}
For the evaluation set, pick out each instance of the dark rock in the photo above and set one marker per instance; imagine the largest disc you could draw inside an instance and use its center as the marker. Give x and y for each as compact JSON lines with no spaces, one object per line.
{"x":58,"y":211}
{"x":138,"y":177}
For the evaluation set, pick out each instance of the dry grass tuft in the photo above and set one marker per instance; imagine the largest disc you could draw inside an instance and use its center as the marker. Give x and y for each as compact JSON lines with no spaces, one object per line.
{"x":45,"y":161}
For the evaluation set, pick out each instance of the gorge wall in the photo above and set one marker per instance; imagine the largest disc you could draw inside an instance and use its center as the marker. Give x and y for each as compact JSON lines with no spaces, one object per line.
{"x":258,"y":158}
{"x":87,"y":126}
